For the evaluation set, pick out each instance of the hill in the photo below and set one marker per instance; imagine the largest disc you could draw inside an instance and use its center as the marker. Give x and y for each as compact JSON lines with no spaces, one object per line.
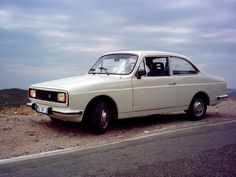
{"x":12,"y":97}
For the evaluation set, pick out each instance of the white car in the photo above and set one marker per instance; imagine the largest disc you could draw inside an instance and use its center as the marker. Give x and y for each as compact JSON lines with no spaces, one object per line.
{"x":129,"y":84}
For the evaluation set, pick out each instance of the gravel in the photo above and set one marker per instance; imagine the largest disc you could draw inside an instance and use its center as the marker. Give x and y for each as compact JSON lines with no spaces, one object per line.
{"x":22,"y":135}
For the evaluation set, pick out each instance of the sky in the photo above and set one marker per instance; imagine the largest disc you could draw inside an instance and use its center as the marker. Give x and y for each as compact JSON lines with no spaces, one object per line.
{"x":42,"y":40}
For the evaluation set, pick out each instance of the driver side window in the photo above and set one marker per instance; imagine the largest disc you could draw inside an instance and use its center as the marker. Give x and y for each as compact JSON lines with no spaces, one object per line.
{"x":157,"y":66}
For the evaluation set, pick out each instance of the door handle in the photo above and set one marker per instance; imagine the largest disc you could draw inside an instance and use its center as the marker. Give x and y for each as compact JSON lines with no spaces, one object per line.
{"x":174,"y":83}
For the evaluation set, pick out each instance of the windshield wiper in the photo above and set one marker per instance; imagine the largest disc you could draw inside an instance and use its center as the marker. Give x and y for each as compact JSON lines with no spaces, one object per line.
{"x":105,"y":69}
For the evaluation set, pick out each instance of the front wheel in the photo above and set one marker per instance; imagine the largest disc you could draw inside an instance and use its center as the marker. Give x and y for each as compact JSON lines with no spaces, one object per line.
{"x":100,"y":117}
{"x":197,"y":108}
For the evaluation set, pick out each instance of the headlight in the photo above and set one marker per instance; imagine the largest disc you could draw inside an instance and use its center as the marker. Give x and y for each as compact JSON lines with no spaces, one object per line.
{"x":32,"y":93}
{"x":61,"y":97}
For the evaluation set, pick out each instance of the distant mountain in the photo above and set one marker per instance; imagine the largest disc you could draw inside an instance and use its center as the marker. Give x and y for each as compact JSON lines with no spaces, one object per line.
{"x":231,"y":92}
{"x":11,"y":97}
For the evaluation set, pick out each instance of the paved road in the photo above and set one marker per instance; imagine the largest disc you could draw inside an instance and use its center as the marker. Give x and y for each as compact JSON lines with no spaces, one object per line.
{"x":200,"y":151}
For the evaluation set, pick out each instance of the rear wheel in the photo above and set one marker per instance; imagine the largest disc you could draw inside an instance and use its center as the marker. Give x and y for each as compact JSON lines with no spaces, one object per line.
{"x":197,"y":108}
{"x":100,"y":116}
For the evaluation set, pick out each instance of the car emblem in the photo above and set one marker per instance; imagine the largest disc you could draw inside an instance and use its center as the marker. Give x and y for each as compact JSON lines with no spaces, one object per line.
{"x":49,"y":96}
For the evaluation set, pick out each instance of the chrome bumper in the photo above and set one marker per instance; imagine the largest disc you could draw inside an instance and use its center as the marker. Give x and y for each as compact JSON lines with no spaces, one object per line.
{"x":74,"y":116}
{"x":222,"y":97}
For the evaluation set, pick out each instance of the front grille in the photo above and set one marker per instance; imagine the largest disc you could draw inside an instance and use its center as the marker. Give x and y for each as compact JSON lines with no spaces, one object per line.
{"x":47,"y":95}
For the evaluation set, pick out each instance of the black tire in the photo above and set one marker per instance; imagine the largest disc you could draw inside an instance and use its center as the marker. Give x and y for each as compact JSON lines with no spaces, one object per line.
{"x":100,"y":116}
{"x":197,"y":109}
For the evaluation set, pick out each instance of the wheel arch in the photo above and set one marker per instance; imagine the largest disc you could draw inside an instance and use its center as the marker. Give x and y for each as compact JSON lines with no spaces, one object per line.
{"x":203,"y":95}
{"x":110,"y":101}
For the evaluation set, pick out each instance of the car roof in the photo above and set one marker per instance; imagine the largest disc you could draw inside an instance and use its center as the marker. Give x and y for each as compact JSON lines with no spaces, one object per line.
{"x":148,"y":52}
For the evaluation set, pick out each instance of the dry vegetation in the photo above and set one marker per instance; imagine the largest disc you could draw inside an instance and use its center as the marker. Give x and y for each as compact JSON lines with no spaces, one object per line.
{"x":17,"y":110}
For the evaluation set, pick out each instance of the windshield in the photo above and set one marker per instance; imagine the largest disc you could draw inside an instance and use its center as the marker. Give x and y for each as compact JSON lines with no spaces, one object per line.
{"x":114,"y":64}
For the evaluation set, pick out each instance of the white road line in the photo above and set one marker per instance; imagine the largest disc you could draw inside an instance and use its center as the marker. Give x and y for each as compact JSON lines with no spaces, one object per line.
{"x":63,"y":151}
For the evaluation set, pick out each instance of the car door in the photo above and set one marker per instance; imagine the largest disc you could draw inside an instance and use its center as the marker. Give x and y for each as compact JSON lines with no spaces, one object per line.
{"x":155,"y":89}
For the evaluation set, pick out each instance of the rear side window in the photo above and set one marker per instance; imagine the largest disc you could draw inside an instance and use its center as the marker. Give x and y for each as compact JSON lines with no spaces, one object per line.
{"x":181,"y":66}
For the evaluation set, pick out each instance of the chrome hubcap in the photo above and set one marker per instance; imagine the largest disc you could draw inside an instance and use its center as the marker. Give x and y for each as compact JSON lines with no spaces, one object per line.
{"x":198,"y":107}
{"x":104,"y":118}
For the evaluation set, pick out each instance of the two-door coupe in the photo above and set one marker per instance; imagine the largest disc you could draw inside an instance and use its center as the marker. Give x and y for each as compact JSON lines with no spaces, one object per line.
{"x":129,"y":84}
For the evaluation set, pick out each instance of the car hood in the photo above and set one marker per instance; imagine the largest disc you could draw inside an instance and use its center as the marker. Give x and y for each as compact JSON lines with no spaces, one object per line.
{"x":75,"y":82}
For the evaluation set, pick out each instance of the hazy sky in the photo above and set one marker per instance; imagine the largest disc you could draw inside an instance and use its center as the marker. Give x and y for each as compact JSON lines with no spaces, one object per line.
{"x":42,"y":40}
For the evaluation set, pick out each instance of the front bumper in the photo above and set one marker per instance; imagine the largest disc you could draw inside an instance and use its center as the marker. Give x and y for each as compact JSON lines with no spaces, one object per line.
{"x":65,"y":115}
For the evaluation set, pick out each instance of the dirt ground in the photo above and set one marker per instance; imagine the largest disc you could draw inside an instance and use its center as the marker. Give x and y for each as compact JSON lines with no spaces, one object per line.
{"x":22,"y":135}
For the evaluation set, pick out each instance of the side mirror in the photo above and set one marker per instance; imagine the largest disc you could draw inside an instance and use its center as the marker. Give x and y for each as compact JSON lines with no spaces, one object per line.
{"x":140,"y":73}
